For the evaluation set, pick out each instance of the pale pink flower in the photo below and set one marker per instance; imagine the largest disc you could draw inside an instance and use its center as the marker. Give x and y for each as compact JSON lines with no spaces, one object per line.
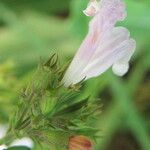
{"x":105,"y":45}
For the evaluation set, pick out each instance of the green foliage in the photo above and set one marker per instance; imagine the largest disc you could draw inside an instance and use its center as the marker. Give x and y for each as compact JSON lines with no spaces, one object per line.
{"x":48,"y":6}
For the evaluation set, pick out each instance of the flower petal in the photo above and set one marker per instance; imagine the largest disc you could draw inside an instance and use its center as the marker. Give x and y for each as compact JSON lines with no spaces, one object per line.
{"x":92,"y":8}
{"x":23,"y":142}
{"x":3,"y":147}
{"x":105,"y":61}
{"x":111,"y":40}
{"x":104,"y":46}
{"x":114,"y":10}
{"x":107,"y":47}
{"x":120,"y":69}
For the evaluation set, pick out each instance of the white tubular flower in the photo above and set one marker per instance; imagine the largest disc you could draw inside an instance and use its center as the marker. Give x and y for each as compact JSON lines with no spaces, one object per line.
{"x":18,"y":142}
{"x":23,"y":142}
{"x":3,"y":147}
{"x":105,"y":45}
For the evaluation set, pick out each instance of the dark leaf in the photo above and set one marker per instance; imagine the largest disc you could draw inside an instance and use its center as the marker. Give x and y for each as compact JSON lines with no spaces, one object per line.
{"x":18,"y":148}
{"x":73,"y":108}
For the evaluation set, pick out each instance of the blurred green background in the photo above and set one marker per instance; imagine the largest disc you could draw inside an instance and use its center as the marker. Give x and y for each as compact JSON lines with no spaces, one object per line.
{"x":31,"y":29}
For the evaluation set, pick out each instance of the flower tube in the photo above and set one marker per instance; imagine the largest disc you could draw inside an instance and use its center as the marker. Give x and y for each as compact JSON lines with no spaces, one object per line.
{"x":104,"y":46}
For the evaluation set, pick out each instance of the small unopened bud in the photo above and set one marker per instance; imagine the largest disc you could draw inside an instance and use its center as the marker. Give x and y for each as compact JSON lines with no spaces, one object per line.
{"x":80,"y":143}
{"x":92,"y":8}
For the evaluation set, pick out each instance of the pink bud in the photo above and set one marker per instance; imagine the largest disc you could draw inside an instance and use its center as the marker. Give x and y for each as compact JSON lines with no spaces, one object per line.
{"x":80,"y":143}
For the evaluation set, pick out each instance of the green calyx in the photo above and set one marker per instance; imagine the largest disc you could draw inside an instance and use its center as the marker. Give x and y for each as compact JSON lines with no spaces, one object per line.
{"x":50,"y":113}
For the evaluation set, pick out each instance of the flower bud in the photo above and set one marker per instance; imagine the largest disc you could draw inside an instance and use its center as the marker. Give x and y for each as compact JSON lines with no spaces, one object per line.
{"x":80,"y":143}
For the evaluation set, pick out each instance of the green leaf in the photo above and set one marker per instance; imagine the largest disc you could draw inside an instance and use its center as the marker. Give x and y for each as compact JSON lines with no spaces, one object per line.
{"x":73,"y":108}
{"x":18,"y":148}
